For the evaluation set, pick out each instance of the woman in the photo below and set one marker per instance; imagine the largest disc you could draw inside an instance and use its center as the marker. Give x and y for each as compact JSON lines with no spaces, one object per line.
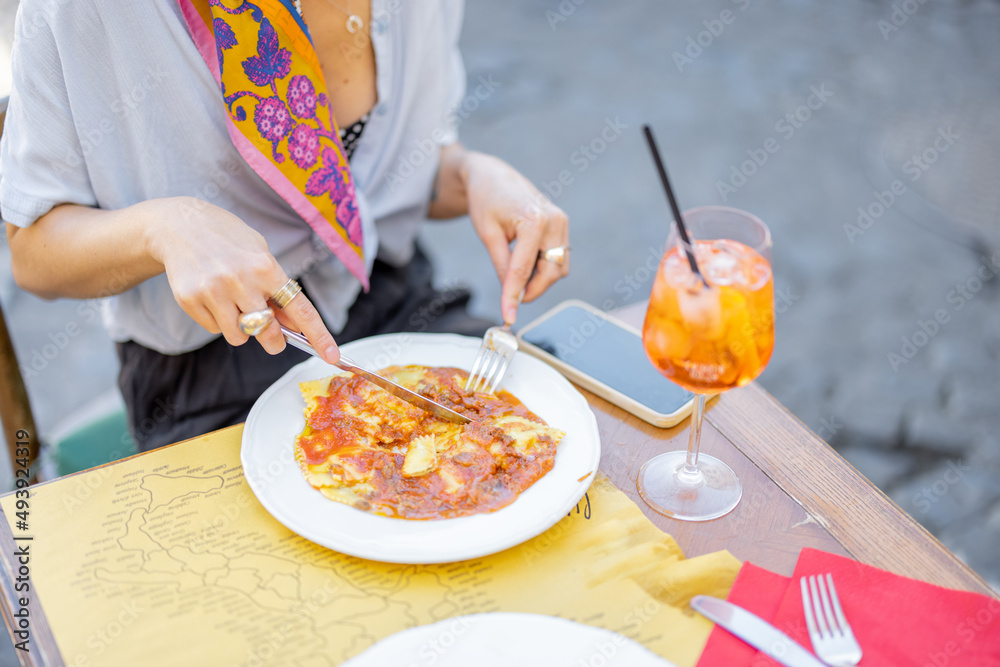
{"x":180,"y":157}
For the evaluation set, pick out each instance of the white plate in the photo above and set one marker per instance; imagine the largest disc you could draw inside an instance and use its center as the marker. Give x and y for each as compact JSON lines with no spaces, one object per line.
{"x":502,"y":639}
{"x":273,"y":474}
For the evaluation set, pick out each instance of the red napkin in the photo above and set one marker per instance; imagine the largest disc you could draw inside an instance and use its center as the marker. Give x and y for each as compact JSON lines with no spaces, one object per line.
{"x":898,"y":621}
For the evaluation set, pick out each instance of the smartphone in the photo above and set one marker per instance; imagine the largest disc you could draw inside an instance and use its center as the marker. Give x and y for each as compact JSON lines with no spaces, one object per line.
{"x":606,"y":357}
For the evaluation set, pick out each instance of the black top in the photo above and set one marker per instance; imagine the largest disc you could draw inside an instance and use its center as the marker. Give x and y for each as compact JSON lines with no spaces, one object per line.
{"x":349,"y":135}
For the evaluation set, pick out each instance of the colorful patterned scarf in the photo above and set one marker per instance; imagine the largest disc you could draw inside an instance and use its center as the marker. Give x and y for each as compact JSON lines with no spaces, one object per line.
{"x":279,"y":118}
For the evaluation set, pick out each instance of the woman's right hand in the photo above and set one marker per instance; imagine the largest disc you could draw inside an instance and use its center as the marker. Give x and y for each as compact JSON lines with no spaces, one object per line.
{"x":219,"y":267}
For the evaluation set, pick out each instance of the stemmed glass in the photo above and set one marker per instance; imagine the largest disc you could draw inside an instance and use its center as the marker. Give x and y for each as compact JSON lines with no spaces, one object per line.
{"x":707,"y":338}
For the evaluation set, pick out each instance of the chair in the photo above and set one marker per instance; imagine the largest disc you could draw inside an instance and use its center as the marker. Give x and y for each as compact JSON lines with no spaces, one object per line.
{"x":15,"y":410}
{"x":91,"y":436}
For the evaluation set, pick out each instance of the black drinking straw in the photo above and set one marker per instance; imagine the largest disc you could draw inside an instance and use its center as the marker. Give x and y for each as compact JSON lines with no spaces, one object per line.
{"x":688,"y":248}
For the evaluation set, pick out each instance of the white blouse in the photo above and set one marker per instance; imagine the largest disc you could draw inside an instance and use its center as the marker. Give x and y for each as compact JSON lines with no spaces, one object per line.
{"x":112,"y":105}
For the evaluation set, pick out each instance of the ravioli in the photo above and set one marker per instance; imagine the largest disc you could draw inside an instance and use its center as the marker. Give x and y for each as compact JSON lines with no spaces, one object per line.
{"x":368,"y":449}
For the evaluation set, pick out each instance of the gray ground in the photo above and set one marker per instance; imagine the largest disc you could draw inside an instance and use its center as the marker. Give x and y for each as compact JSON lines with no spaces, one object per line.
{"x":923,"y":425}
{"x":888,"y":338}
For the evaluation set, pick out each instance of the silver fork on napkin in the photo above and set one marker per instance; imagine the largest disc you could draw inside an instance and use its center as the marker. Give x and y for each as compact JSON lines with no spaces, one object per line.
{"x":829,"y":630}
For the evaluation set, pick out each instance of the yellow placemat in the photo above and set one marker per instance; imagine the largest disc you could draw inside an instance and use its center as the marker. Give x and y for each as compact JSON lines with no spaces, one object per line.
{"x":168,"y":559}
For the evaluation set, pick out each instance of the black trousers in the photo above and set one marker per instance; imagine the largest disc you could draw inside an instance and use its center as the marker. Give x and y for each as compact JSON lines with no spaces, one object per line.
{"x":175,"y":397}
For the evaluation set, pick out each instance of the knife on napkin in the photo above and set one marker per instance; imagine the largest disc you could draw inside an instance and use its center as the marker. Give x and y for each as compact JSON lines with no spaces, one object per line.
{"x":755,"y":631}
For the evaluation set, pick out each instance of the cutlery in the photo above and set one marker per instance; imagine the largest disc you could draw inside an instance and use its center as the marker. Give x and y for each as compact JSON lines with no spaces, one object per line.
{"x":754,"y":631}
{"x":498,"y":348}
{"x":832,"y":640}
{"x":255,"y":322}
{"x":495,"y":354}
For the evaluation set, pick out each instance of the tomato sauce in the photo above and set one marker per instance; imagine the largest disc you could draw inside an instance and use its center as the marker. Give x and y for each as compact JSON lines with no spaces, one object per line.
{"x":360,"y":427}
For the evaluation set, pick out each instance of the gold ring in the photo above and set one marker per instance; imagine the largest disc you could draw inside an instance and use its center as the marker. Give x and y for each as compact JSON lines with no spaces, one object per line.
{"x":287,"y":292}
{"x":555,"y":255}
{"x":253,"y":323}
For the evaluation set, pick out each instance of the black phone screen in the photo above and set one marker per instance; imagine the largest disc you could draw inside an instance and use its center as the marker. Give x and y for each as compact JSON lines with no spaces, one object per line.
{"x":609,"y":354}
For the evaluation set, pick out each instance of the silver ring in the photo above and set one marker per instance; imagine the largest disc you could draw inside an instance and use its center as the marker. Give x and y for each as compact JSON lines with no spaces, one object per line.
{"x":287,"y":292}
{"x":254,"y":322}
{"x":555,"y":255}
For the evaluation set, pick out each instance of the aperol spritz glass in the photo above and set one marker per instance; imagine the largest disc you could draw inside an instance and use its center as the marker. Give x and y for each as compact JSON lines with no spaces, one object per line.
{"x":707,"y":338}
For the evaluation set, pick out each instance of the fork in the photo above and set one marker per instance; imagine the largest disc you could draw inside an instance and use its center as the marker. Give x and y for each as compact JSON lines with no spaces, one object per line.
{"x":498,"y":348}
{"x":495,"y":354}
{"x":832,"y":640}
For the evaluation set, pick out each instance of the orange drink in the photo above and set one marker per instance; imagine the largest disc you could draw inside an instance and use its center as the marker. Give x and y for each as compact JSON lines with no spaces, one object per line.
{"x":710,"y":339}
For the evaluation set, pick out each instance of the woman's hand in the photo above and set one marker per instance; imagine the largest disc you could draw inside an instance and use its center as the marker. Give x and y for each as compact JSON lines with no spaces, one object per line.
{"x":219,"y":267}
{"x":505,"y":207}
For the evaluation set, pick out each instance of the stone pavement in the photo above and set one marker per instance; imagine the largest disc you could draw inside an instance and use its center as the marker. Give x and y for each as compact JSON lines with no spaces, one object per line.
{"x":865,"y":133}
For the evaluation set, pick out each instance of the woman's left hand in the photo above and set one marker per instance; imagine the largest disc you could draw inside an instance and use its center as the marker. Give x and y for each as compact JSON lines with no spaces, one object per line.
{"x":505,"y":207}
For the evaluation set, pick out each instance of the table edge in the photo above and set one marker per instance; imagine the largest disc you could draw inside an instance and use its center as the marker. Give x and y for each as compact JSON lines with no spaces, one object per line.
{"x":46,"y":652}
{"x":739,"y":413}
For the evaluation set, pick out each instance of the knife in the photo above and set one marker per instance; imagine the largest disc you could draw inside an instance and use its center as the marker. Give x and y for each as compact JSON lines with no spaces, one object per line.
{"x":253,"y":323}
{"x":411,"y":397}
{"x":755,"y":631}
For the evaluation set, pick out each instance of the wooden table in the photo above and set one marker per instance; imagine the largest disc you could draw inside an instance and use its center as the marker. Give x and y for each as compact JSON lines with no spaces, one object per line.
{"x":798,"y":492}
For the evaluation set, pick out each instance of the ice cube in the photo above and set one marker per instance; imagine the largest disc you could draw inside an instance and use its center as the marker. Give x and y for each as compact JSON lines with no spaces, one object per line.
{"x":675,"y":271}
{"x":722,"y":264}
{"x":701,"y":310}
{"x":760,"y":273}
